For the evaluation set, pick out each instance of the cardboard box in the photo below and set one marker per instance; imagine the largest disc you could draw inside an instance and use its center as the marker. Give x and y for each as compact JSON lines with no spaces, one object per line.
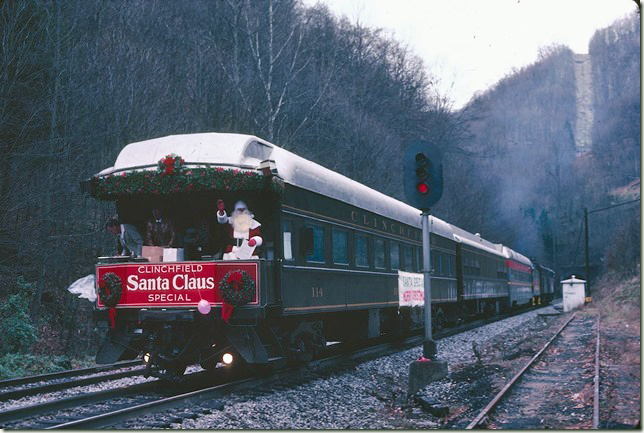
{"x":153,"y":254}
{"x":173,"y":254}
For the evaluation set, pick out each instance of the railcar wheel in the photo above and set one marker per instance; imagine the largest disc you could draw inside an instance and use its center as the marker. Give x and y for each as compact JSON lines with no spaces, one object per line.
{"x":438,"y":320}
{"x":306,"y":342}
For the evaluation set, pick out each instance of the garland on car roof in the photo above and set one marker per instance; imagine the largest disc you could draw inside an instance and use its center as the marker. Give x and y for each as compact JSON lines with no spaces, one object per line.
{"x":172,"y":176}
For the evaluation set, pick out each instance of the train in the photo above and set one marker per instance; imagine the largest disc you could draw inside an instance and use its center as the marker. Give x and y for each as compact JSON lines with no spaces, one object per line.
{"x":327,"y":269}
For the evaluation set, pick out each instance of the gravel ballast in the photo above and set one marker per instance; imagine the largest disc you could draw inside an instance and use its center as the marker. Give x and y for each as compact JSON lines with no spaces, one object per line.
{"x":371,"y":395}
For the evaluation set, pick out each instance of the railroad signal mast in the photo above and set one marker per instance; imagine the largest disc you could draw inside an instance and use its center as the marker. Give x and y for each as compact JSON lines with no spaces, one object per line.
{"x":423,"y":183}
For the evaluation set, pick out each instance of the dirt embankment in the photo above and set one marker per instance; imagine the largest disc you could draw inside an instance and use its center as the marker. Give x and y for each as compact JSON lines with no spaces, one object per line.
{"x":619,"y":302}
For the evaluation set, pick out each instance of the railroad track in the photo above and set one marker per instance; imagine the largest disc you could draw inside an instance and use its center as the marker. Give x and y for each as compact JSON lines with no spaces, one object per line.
{"x":115,"y":406}
{"x":218,"y":391}
{"x":558,"y":388}
{"x":14,"y":389}
{"x":120,"y":404}
{"x":52,"y":413}
{"x":67,"y":373}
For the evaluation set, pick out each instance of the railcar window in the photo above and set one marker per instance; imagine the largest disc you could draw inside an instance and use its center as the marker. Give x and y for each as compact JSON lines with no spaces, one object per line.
{"x":379,"y":253}
{"x":289,"y":240}
{"x":394,"y":255}
{"x":501,"y":271}
{"x":318,"y":244}
{"x":434,"y":256}
{"x":409,"y":258}
{"x":361,"y":250}
{"x":340,"y":247}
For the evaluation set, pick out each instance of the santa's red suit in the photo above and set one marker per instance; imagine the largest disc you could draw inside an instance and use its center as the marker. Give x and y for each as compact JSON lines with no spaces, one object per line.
{"x":236,"y":235}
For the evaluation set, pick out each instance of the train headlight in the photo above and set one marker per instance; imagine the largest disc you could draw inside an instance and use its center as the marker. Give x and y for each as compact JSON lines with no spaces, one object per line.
{"x":146,"y":358}
{"x":227,"y":358}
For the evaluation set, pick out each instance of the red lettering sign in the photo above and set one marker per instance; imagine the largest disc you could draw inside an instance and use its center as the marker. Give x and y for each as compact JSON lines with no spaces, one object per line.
{"x":518,"y":266}
{"x":173,"y":284}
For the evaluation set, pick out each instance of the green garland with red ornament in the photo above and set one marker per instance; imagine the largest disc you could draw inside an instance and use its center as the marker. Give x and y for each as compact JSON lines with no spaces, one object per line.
{"x":172,"y":176}
{"x":236,"y":288}
{"x":170,"y":165}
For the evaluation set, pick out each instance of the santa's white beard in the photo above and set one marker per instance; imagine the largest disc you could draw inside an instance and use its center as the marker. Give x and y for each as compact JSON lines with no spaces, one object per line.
{"x":241,"y":221}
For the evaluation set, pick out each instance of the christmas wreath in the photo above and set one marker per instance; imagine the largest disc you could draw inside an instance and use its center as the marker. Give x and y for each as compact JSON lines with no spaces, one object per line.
{"x":170,"y":164}
{"x":110,"y":289}
{"x":237,"y":288}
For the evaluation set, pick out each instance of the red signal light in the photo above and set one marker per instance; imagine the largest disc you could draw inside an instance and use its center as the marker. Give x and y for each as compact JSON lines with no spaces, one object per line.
{"x":422,"y":188}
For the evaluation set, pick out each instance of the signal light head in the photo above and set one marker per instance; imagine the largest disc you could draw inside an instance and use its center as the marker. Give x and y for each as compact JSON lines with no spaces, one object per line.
{"x":423,"y":176}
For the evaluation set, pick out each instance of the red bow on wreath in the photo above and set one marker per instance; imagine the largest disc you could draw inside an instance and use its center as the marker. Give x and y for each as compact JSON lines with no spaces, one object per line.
{"x":169,"y":165}
{"x":235,"y":279}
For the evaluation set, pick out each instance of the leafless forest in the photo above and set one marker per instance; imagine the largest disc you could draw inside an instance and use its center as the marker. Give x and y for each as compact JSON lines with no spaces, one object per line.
{"x":81,"y":79}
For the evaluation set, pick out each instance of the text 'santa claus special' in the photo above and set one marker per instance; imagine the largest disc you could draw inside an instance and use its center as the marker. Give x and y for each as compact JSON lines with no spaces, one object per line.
{"x":173,"y":284}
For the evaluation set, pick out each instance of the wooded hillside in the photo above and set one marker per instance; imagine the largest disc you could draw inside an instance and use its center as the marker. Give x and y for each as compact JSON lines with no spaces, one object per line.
{"x":528,"y":184}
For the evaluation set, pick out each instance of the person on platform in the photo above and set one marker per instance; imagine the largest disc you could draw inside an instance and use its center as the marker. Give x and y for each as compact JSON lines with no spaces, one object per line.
{"x":129,"y":240}
{"x":159,"y":230}
{"x":242,"y":227}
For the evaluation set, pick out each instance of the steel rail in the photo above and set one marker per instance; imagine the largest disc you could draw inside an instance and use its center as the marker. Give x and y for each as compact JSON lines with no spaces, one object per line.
{"x":21,"y":413}
{"x":51,"y":387}
{"x":110,"y":418}
{"x":67,"y":373}
{"x":216,"y":391}
{"x":596,"y":382}
{"x":483,"y":414}
{"x":24,"y":412}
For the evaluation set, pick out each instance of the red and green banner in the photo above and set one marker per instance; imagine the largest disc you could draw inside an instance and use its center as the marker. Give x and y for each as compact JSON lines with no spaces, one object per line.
{"x":177,"y":284}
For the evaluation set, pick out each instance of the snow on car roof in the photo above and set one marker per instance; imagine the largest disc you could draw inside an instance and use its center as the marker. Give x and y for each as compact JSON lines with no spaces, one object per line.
{"x":465,"y":237}
{"x":518,"y":257}
{"x":248,"y":151}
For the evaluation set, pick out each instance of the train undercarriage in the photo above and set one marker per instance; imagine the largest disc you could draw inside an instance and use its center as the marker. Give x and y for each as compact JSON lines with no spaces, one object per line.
{"x":170,"y":340}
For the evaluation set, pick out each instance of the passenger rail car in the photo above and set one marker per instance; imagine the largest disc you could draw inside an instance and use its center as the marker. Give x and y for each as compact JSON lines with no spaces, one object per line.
{"x":519,"y":277}
{"x":543,"y":284}
{"x":327,"y":269}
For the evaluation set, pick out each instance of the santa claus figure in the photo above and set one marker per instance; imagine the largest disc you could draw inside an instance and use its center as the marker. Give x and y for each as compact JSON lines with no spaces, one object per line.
{"x":242,"y":227}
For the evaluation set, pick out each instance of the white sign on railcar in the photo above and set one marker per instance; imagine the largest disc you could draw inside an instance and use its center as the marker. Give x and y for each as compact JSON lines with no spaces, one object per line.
{"x":411,"y":291}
